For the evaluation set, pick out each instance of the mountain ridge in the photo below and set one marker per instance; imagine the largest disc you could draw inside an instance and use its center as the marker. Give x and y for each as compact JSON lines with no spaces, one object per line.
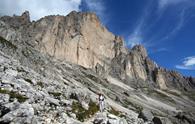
{"x":57,"y":86}
{"x":80,"y":38}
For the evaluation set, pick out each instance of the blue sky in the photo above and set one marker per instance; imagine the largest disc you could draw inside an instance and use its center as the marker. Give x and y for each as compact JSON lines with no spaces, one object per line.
{"x":165,"y":27}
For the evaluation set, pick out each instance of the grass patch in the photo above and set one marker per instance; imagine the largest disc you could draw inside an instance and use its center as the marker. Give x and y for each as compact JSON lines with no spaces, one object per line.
{"x":78,"y":110}
{"x":82,"y":113}
{"x":2,"y":91}
{"x":93,"y":108}
{"x":12,"y":94}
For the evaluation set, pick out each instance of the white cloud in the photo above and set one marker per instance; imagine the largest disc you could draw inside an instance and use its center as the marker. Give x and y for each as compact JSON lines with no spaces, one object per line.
{"x":41,"y":8}
{"x":187,"y":64}
{"x":183,"y":8}
{"x":138,"y":36}
{"x":98,"y":7}
{"x":189,"y":61}
{"x":179,"y":24}
{"x":137,"y":39}
{"x":38,"y":8}
{"x":165,"y":3}
{"x":134,"y":40}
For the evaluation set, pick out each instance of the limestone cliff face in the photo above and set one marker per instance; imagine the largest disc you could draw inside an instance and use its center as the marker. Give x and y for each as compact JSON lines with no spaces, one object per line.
{"x":171,"y":79}
{"x":78,"y":37}
{"x":136,"y":62}
{"x":137,"y":65}
{"x":160,"y":79}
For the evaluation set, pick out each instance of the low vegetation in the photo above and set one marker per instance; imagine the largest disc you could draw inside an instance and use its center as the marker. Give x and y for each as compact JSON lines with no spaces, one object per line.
{"x":114,"y":112}
{"x":12,"y":95}
{"x":82,"y":113}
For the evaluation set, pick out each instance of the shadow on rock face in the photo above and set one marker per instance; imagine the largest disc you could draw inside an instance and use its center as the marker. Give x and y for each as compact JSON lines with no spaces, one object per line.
{"x":4,"y":110}
{"x":156,"y":120}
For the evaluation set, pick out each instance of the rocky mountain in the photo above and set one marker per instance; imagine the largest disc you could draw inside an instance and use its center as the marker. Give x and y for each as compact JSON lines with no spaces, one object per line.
{"x":66,"y":37}
{"x":51,"y":71}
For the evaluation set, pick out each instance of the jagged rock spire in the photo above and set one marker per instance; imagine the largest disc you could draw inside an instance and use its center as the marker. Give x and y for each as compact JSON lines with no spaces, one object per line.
{"x":141,"y":50}
{"x":26,"y":16}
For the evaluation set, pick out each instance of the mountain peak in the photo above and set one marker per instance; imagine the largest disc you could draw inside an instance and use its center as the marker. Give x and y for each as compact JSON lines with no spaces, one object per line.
{"x":141,"y":50}
{"x":26,"y":16}
{"x":17,"y":21}
{"x":86,"y":16}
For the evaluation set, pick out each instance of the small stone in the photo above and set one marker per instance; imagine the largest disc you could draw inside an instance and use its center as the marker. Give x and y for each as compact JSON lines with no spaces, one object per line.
{"x":11,"y":72}
{"x":4,"y":98}
{"x":146,"y":115}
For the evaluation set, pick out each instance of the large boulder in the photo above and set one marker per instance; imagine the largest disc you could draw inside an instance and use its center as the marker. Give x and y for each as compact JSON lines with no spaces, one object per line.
{"x":23,"y":114}
{"x":146,"y":115}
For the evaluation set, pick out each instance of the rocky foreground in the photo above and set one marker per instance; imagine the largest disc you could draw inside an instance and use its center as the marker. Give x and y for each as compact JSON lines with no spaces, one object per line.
{"x":51,"y":71}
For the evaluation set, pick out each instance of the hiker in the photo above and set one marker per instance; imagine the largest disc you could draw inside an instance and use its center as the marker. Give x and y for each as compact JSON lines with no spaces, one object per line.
{"x":101,"y":102}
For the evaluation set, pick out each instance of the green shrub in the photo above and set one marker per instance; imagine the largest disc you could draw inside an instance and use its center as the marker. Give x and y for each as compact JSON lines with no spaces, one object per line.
{"x":12,"y":94}
{"x":78,"y":110}
{"x":18,"y":96}
{"x":82,"y":113}
{"x":2,"y":91}
{"x":93,"y":108}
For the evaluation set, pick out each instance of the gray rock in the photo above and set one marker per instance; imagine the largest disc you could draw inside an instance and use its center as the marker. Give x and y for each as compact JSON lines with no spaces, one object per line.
{"x":84,"y":105}
{"x":52,"y":101}
{"x":4,"y":98}
{"x":100,"y":118}
{"x":11,"y":72}
{"x":146,"y":115}
{"x":23,"y":114}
